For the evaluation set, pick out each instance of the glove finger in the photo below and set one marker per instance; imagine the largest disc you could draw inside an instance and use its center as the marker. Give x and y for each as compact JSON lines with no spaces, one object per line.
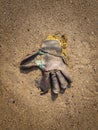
{"x":55,"y":83}
{"x":67,"y":77}
{"x":45,"y":82}
{"x":29,"y":59}
{"x":27,"y":64}
{"x":62,"y":80}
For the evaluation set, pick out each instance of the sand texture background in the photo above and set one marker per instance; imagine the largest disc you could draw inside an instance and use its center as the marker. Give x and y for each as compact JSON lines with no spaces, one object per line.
{"x":23,"y":25}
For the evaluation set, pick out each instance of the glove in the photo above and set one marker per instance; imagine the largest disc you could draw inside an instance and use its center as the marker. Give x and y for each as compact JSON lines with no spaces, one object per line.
{"x":53,"y":65}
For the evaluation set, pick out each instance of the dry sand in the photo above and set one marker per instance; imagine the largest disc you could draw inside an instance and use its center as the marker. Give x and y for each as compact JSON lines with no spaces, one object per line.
{"x":23,"y":25}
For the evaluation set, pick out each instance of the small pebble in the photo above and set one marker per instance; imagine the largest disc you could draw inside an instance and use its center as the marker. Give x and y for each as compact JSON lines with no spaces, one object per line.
{"x":28,"y":30}
{"x":13,"y":101}
{"x":94,"y":69}
{"x":72,"y":96}
{"x":85,"y":17}
{"x":92,"y":33}
{"x":73,"y":39}
{"x":79,"y":112}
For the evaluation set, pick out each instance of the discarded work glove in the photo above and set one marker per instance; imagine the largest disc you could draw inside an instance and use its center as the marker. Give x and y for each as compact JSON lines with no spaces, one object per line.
{"x":53,"y":65}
